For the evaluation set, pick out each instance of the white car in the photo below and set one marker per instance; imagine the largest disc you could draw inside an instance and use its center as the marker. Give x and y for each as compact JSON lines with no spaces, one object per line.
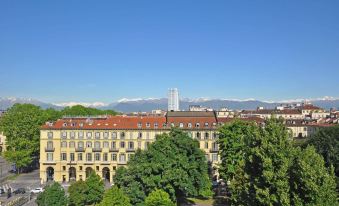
{"x":37,"y":190}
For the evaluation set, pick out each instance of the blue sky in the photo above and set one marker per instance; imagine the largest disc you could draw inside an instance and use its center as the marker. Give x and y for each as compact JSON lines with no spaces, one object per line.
{"x":59,"y":51}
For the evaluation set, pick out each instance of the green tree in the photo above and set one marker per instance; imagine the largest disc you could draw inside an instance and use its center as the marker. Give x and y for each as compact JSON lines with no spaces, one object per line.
{"x":79,"y":110}
{"x":311,"y":182}
{"x":115,"y":197}
{"x":158,"y":198}
{"x":78,"y":193}
{"x":173,"y":162}
{"x":21,"y":126}
{"x":95,"y":189}
{"x":261,"y":176}
{"x":231,"y":145}
{"x":54,"y":195}
{"x":326,"y":142}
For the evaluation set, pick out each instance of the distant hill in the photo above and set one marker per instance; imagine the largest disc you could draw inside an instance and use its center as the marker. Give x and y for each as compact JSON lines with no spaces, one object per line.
{"x":145,"y":105}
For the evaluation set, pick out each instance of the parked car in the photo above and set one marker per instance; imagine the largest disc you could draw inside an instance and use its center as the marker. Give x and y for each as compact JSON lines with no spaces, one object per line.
{"x":2,"y":191}
{"x":19,"y":191}
{"x":37,"y":190}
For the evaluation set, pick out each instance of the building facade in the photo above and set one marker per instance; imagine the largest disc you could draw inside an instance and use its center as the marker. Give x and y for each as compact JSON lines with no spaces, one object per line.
{"x":71,"y":148}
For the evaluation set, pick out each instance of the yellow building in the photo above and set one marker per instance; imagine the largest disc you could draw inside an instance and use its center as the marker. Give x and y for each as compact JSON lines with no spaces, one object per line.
{"x":71,"y":148}
{"x":2,"y":142}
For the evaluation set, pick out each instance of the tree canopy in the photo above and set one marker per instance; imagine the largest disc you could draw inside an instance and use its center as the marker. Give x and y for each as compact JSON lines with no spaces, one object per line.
{"x":158,"y":198}
{"x":78,"y":193}
{"x":268,"y":170}
{"x":95,"y":190}
{"x":53,"y":195}
{"x":173,"y":162}
{"x":115,"y":197}
{"x":326,"y":143}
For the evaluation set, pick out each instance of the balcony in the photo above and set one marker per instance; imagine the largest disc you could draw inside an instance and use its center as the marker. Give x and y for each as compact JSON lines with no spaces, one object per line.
{"x":49,"y":149}
{"x":130,"y":150}
{"x":113,"y":150}
{"x":80,"y":149}
{"x":214,"y":150}
{"x":96,"y":149}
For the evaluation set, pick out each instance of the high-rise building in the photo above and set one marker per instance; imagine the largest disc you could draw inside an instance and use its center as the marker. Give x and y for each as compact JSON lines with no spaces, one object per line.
{"x":173,"y":99}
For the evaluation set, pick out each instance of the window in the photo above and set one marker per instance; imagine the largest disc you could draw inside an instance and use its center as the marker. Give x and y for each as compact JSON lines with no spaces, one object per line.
{"x":214,"y":157}
{"x":89,"y":157}
{"x":122,"y":135}
{"x":105,"y":144}
{"x":79,"y":156}
{"x":130,"y":145}
{"x":49,"y":156}
{"x":49,"y":145}
{"x":73,"y":124}
{"x":207,"y":157}
{"x":155,"y":125}
{"x":139,"y":124}
{"x":97,"y":156}
{"x":122,"y":158}
{"x":88,"y":144}
{"x":131,"y":135}
{"x":148,"y":125}
{"x":140,"y":135}
{"x":181,"y":125}
{"x":122,"y":144}
{"x":172,"y":125}
{"x":50,"y":135}
{"x":114,"y":157}
{"x":215,"y":146}
{"x":114,"y":135}
{"x":64,"y":135}
{"x":63,"y":156}
{"x":64,"y":124}
{"x":72,"y":157}
{"x":81,"y":124}
{"x":206,"y":145}
{"x":197,"y":135}
{"x":105,"y":157}
{"x":190,"y":134}
{"x":71,"y":144}
{"x":147,"y":135}
{"x":97,"y":135}
{"x":147,"y":144}
{"x":215,"y":135}
{"x":114,"y":145}
{"x":207,"y":135}
{"x":81,"y":135}
{"x":80,"y":144}
{"x":164,"y":124}
{"x":139,"y":145}
{"x":64,"y":144}
{"x":105,"y":135}
{"x":96,"y":144}
{"x":72,"y":135}
{"x":206,"y":124}
{"x":129,"y":156}
{"x":197,"y":125}
{"x":189,"y":125}
{"x":89,"y":135}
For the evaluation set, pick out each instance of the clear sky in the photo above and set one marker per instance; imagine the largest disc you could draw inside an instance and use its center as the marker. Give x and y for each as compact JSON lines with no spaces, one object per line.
{"x":59,"y":51}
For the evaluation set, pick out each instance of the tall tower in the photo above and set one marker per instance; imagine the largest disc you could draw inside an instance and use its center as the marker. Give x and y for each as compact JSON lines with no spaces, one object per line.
{"x":173,"y":99}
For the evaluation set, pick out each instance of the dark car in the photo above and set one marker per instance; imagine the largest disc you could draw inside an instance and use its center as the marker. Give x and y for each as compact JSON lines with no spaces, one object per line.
{"x":20,"y":191}
{"x":2,"y":191}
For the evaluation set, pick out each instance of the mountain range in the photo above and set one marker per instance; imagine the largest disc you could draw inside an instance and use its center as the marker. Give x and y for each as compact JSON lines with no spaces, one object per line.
{"x":145,"y":105}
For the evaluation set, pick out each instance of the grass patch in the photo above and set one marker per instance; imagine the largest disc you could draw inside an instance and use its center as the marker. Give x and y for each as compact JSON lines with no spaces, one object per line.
{"x":208,"y":201}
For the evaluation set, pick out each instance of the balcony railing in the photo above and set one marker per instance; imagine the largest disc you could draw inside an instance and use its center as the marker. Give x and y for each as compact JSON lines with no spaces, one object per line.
{"x":214,"y":150}
{"x":113,"y":150}
{"x":49,"y":149}
{"x":97,"y":149}
{"x":80,"y":149}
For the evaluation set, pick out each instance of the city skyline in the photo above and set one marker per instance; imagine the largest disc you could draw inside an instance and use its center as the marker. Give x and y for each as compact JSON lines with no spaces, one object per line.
{"x":57,"y":52}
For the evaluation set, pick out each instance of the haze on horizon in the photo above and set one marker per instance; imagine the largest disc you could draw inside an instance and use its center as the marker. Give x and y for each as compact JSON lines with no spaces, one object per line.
{"x":88,"y":52}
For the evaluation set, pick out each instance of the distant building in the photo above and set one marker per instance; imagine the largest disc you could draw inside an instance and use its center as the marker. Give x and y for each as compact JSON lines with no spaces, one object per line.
{"x":173,"y":99}
{"x":197,"y":108}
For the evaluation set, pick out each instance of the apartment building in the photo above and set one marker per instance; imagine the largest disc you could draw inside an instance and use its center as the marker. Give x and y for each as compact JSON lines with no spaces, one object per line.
{"x":72,"y":147}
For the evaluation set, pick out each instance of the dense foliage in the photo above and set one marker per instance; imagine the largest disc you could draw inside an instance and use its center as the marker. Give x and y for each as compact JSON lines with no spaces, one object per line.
{"x":158,"y":198}
{"x":326,"y":142}
{"x":21,"y":126}
{"x":96,"y":189}
{"x":268,"y":170}
{"x":173,"y":162}
{"x":78,"y":193}
{"x":115,"y":197}
{"x":53,"y":195}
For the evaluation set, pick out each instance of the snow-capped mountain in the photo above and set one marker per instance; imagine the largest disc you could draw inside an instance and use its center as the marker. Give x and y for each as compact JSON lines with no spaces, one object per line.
{"x":148,"y":104}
